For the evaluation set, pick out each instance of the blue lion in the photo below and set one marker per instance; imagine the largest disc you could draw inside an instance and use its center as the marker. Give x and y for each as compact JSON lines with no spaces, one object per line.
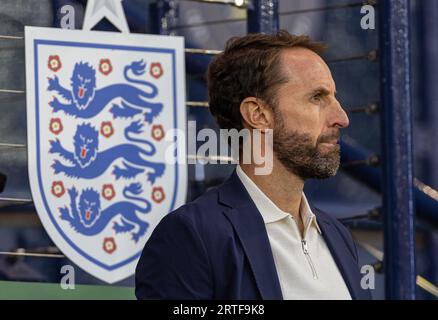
{"x":85,"y":101}
{"x":89,"y":219}
{"x":88,"y":163}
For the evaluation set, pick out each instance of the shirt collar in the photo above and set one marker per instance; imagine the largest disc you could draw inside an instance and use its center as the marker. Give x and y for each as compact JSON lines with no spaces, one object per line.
{"x":269,"y":210}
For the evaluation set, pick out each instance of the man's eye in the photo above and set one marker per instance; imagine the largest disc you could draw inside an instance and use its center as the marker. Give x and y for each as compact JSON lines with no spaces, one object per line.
{"x":316,"y":97}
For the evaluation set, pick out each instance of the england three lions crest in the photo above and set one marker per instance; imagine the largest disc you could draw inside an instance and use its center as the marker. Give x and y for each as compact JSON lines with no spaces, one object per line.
{"x":98,"y":107}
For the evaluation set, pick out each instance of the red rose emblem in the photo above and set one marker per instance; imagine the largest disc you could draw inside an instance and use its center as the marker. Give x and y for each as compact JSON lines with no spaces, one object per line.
{"x":109,"y":245}
{"x":106,"y":129}
{"x":56,"y":126}
{"x":158,"y":194}
{"x":54,"y":63}
{"x":108,"y":192}
{"x":58,"y":189}
{"x":157,"y":132}
{"x":105,"y":66}
{"x":156,"y":70}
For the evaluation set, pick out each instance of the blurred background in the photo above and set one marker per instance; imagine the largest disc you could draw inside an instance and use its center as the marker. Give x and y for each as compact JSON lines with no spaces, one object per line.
{"x":355,"y":195}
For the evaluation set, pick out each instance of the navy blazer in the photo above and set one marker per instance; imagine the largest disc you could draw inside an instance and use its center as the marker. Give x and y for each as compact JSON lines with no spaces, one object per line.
{"x":217,"y":247}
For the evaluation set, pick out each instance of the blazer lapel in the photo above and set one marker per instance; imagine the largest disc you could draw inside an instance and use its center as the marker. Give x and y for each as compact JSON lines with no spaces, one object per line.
{"x":250,"y":228}
{"x":345,"y":262}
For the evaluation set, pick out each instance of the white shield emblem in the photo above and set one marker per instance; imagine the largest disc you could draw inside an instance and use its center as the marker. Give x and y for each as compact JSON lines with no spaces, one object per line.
{"x":98,"y":107}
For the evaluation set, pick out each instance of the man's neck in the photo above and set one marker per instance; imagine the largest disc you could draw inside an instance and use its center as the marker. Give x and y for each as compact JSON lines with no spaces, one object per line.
{"x":281,"y":186}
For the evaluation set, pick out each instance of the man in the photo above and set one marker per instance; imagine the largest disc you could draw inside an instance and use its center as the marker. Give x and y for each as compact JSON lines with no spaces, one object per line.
{"x":255,"y":236}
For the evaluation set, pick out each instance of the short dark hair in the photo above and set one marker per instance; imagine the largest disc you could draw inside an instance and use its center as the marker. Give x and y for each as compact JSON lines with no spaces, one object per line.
{"x":249,"y":67}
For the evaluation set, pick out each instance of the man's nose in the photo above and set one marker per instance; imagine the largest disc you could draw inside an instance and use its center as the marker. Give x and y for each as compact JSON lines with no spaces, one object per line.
{"x":339,"y":116}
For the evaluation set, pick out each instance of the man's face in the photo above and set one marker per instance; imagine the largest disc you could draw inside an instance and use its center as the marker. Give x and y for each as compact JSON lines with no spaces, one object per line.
{"x":307,"y":117}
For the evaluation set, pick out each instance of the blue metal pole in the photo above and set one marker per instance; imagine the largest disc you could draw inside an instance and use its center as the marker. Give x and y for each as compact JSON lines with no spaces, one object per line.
{"x":399,"y":261}
{"x":428,"y":100}
{"x":263,"y":16}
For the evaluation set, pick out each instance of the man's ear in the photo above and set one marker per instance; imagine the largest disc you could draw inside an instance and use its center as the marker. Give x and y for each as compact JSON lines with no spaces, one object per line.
{"x":256,"y":114}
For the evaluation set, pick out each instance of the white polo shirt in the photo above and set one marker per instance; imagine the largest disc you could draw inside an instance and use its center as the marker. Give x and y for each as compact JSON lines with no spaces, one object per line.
{"x":305,"y":266}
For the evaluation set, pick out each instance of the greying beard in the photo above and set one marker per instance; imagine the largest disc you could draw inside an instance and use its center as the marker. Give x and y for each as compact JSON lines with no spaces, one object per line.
{"x":301,"y":157}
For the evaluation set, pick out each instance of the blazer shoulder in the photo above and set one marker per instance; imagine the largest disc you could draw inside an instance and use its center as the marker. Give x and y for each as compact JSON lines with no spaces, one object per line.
{"x":205,"y":204}
{"x":205,"y":213}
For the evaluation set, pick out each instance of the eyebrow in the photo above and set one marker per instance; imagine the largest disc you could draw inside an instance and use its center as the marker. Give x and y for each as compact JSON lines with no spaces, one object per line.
{"x":322,"y":90}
